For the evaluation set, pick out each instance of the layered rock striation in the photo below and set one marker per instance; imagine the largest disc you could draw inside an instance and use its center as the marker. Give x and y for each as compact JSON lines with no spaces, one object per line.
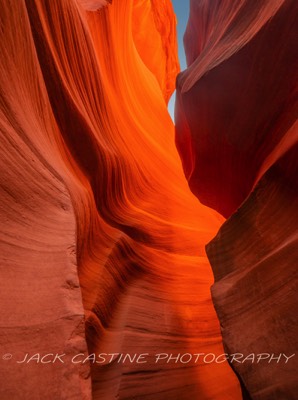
{"x":236,"y":132}
{"x":99,"y":227}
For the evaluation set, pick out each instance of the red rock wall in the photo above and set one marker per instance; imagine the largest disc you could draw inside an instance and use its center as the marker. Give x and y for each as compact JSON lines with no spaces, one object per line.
{"x":236,"y":101}
{"x":40,"y":297}
{"x":236,"y":132}
{"x":98,"y":220}
{"x":255,"y":292}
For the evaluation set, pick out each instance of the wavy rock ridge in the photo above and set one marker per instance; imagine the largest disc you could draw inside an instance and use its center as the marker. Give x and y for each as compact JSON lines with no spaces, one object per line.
{"x":99,"y":225}
{"x":237,"y":100}
{"x":236,"y":131}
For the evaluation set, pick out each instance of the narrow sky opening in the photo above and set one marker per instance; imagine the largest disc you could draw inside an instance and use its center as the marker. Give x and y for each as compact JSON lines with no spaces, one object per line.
{"x":181,"y":8}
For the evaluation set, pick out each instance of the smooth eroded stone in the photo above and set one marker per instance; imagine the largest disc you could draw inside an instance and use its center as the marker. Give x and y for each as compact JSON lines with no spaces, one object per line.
{"x":255,"y":291}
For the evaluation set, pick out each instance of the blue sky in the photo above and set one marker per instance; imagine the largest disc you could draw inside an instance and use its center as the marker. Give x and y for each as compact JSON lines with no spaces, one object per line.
{"x":181,"y":8}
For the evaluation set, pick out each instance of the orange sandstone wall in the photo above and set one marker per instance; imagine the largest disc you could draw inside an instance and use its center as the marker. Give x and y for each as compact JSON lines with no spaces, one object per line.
{"x":98,"y":218}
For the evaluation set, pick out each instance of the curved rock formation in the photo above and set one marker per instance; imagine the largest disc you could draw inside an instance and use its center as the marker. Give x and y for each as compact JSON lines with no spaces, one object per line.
{"x":237,"y":135}
{"x":254,"y":262}
{"x":96,"y":205}
{"x":237,"y":99}
{"x":154,"y":34}
{"x":40,"y":297}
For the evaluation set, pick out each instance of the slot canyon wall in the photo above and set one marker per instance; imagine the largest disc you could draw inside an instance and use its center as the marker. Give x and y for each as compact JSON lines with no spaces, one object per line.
{"x":103,"y":241}
{"x":99,"y":226}
{"x":237,"y":134}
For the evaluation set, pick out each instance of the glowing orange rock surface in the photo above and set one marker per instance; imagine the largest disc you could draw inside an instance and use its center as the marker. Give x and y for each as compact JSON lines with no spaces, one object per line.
{"x":154,"y":35}
{"x":96,"y":205}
